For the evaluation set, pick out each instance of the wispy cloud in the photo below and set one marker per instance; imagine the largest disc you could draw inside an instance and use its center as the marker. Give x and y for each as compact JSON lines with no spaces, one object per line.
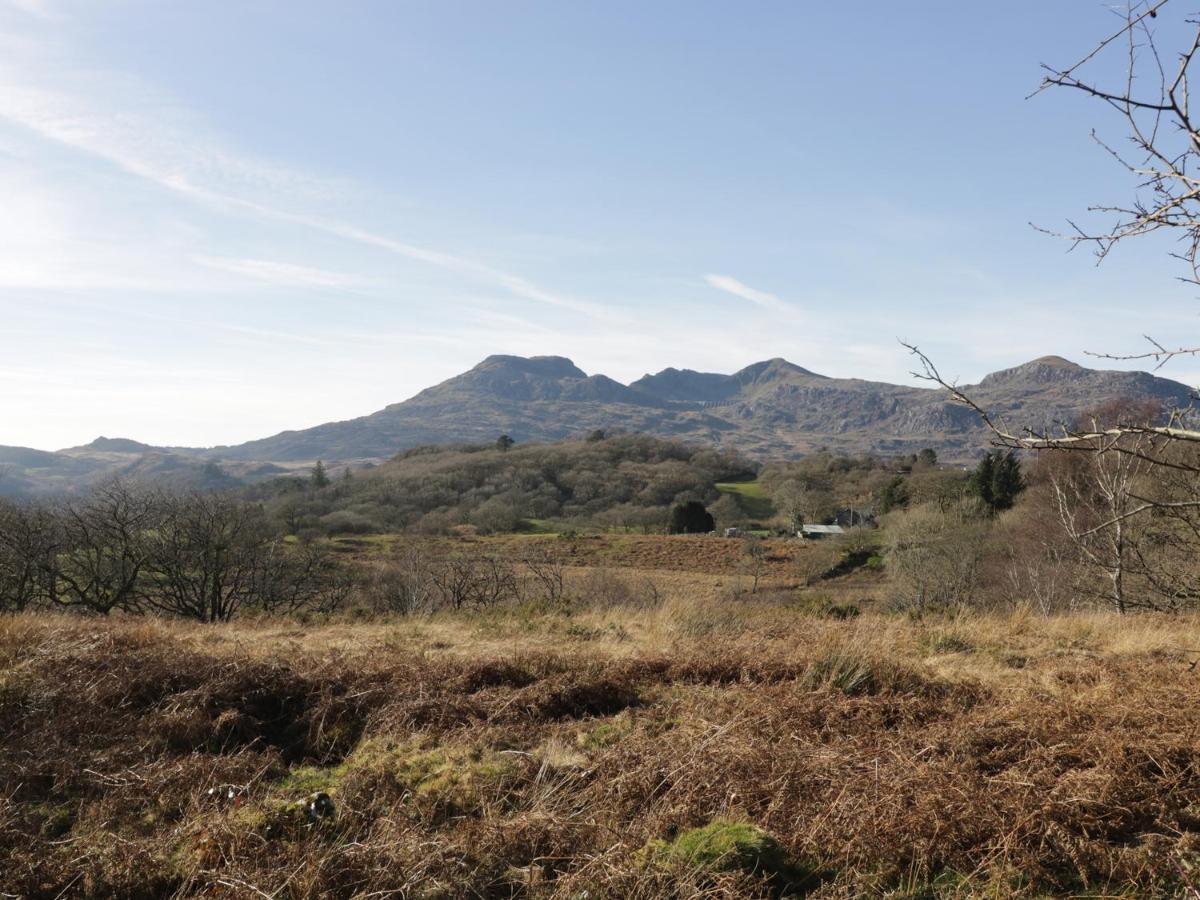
{"x":42,"y":9}
{"x":153,"y":139}
{"x":284,"y":274}
{"x":764,"y":299}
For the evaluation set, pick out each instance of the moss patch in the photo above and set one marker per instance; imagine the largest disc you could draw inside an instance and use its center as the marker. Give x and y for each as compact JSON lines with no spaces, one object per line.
{"x":728,"y":846}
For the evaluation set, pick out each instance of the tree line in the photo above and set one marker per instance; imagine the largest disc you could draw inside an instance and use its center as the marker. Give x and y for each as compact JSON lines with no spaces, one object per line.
{"x":199,"y":556}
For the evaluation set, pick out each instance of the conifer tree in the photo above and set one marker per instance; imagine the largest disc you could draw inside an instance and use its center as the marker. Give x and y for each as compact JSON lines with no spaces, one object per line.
{"x":997,"y":480}
{"x":320,"y":478}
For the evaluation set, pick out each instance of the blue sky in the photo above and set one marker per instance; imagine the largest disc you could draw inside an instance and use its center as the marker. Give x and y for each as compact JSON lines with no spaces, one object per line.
{"x":223,"y":219}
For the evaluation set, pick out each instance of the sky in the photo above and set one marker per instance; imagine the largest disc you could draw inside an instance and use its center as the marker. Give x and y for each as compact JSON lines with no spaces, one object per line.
{"x":220,"y":220}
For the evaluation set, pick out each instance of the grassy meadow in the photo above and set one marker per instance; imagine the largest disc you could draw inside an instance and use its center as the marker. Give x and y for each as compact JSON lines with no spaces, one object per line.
{"x":752,"y":498}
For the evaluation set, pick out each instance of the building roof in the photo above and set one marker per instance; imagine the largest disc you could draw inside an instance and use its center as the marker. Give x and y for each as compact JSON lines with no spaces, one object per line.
{"x":823,"y":529}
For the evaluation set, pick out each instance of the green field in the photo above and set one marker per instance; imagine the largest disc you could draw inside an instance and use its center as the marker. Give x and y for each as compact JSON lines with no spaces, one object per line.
{"x":751,"y":497}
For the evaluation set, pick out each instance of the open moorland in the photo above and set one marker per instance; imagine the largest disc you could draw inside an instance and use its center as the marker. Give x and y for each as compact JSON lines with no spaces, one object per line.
{"x":626,"y":741}
{"x":492,"y":672}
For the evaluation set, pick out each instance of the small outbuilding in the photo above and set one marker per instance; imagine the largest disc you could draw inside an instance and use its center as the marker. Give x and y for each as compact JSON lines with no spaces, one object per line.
{"x":821,"y":531}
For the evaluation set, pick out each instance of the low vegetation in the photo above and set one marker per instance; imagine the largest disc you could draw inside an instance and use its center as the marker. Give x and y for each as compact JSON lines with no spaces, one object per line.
{"x":780,"y":752}
{"x":200,"y":696}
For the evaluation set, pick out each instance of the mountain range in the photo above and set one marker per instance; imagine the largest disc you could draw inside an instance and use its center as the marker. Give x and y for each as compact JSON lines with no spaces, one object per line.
{"x":771,"y":409}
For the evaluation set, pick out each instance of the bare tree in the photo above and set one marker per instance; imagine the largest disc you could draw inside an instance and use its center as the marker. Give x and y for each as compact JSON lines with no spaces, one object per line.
{"x":103,"y":548}
{"x":1094,"y":495}
{"x":474,"y":580}
{"x":305,"y":576}
{"x":1141,"y":476}
{"x":1162,"y":145}
{"x":404,"y":583}
{"x":934,"y":557}
{"x":754,"y":560}
{"x":1161,"y":153}
{"x":28,"y":551}
{"x":792,"y":499}
{"x":208,"y":557}
{"x":546,"y":571}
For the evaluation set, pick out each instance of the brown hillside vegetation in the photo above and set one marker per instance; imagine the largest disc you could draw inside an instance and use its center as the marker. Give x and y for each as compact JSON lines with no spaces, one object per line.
{"x":705,"y":554}
{"x":517,"y":753}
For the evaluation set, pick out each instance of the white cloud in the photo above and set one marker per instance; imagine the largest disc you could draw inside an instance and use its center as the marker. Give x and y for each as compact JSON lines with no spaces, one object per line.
{"x":284,"y":274}
{"x":759,"y":298}
{"x":152,"y":138}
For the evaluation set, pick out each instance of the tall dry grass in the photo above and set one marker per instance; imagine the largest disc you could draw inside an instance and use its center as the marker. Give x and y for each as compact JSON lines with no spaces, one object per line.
{"x":535,"y":753}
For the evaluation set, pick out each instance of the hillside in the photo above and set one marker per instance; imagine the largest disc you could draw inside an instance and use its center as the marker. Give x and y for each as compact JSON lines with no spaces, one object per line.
{"x":769,"y":410}
{"x":629,"y":481}
{"x":26,"y":472}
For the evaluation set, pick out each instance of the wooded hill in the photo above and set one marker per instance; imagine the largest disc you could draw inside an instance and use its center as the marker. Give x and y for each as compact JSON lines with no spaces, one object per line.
{"x":623,"y":480}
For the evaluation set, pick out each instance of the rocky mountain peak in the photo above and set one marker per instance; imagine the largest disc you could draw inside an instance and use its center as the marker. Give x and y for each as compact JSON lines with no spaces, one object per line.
{"x":117,"y":445}
{"x":540,"y":366}
{"x":1043,"y":370}
{"x":771,"y":370}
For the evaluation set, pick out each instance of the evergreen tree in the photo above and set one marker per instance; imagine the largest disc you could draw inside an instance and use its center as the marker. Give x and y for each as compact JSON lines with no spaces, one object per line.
{"x":982,"y":478}
{"x":894,"y":496}
{"x":690,"y":518}
{"x":1007,"y":481}
{"x":320,"y":478}
{"x":504,"y":442}
{"x":927,"y":457}
{"x":997,"y":480}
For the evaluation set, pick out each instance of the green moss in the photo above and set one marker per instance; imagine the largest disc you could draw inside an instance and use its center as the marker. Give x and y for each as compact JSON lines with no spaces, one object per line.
{"x":728,"y":846}
{"x":605,"y":734}
{"x":451,"y":772}
{"x":55,"y":820}
{"x":943,"y":886}
{"x":309,"y":779}
{"x":602,"y":736}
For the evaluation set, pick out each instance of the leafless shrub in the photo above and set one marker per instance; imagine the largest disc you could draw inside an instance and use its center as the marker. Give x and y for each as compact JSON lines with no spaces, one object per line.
{"x":1035,"y":564}
{"x":934,"y":557}
{"x":307,"y":577}
{"x":546,"y":572}
{"x":602,"y":588}
{"x":403,"y":583}
{"x":474,"y":580}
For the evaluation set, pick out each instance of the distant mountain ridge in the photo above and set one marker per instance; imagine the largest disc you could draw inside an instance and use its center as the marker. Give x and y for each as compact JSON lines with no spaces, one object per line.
{"x":772,"y":408}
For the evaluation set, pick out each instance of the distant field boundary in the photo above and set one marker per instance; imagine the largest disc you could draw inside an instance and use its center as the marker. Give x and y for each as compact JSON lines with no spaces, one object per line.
{"x":751,"y":497}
